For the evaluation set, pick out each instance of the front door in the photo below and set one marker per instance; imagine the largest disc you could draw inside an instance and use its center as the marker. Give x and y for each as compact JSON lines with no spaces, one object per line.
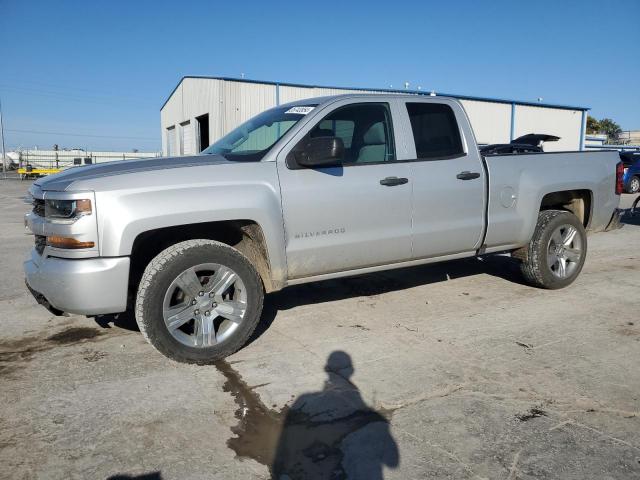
{"x":355,"y":215}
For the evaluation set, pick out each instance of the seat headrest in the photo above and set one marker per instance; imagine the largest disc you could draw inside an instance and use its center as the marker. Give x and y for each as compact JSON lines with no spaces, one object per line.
{"x":375,"y":134}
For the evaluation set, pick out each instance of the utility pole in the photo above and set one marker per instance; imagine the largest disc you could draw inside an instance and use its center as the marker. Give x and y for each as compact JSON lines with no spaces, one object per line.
{"x":2,"y":135}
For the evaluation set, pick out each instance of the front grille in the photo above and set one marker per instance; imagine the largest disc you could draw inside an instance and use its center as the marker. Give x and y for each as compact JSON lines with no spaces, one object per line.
{"x":41,"y":241}
{"x":38,"y":207}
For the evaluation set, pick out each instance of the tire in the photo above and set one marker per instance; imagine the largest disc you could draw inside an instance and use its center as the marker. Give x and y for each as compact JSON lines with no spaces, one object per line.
{"x":634,"y":185}
{"x":167,"y":294}
{"x":541,"y":260}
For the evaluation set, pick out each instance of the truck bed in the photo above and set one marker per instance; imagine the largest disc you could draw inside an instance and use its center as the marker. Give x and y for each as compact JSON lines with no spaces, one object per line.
{"x":517,"y":184}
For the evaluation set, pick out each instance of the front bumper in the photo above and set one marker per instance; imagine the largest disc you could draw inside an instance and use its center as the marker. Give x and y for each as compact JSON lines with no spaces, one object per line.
{"x":90,"y":286}
{"x":616,"y":220}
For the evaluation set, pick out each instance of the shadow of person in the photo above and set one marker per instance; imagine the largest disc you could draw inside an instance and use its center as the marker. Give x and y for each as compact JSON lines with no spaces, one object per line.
{"x":333,"y":434}
{"x":144,"y":476}
{"x":631,"y":215}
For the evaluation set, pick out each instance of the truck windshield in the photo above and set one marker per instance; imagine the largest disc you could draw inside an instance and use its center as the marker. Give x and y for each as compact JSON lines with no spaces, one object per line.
{"x":251,"y":141}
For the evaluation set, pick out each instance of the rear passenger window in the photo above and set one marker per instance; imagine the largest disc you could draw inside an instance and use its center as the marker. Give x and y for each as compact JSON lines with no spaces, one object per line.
{"x":435,"y":130}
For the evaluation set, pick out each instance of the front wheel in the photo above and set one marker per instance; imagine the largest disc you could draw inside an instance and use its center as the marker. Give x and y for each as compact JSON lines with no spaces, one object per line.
{"x":634,"y":185}
{"x":556,"y":253}
{"x":199,"y":301}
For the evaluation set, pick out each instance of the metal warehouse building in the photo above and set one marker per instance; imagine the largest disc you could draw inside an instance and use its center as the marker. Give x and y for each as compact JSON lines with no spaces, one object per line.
{"x":200,"y":110}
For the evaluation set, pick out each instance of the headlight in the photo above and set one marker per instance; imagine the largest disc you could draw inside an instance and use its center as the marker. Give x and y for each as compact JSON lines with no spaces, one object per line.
{"x":66,"y":211}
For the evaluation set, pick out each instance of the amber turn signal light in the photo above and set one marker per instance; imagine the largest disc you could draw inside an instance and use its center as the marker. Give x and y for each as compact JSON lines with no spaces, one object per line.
{"x":66,"y":242}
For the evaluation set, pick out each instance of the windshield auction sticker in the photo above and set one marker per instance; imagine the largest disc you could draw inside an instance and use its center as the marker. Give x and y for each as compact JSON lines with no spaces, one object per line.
{"x":300,"y":110}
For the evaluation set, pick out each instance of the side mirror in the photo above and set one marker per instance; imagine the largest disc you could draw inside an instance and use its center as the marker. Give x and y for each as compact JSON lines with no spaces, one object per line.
{"x":321,"y":152}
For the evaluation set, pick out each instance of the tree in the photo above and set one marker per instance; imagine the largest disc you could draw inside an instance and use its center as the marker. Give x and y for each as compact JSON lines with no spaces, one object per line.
{"x":610,"y":128}
{"x":593,"y":125}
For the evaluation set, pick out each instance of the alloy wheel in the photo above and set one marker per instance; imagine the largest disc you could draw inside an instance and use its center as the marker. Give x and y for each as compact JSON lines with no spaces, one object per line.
{"x":564,"y":251}
{"x":204,"y":305}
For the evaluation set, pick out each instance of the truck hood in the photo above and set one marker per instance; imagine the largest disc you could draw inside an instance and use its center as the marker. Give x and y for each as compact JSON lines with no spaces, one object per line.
{"x":61,"y":181}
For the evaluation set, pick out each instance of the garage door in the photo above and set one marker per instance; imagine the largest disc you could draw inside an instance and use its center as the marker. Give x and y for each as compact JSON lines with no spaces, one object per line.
{"x":171,"y":141}
{"x":186,"y":137}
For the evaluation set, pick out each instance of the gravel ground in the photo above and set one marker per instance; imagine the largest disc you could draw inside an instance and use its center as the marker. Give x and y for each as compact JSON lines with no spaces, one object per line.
{"x":456,"y":370}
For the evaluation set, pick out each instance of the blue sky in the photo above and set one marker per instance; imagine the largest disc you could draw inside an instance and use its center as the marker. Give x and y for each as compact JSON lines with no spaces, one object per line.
{"x":102,"y":69}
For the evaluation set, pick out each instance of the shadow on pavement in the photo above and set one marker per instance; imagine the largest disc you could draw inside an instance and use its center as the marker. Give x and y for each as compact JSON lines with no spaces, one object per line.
{"x":631,"y":219}
{"x":144,"y":476}
{"x":370,"y":284}
{"x":378,"y":283}
{"x":125,"y":320}
{"x":328,"y":434}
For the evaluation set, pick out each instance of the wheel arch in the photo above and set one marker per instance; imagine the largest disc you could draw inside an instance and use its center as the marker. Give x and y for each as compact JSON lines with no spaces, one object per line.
{"x":246,"y":236}
{"x":578,"y":201}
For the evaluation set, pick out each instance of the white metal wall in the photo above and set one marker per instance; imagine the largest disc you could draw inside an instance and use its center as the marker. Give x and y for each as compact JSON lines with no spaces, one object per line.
{"x":170,"y":116}
{"x":291,"y":94}
{"x":229,"y":103}
{"x":491,"y":121}
{"x":199,"y":97}
{"x":565,"y":124}
{"x":241,"y":101}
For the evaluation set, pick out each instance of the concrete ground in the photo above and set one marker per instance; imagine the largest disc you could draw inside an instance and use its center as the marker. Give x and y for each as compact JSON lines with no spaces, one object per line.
{"x":455,"y":370}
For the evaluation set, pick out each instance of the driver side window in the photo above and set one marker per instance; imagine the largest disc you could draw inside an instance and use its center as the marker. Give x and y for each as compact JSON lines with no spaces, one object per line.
{"x":365,"y":130}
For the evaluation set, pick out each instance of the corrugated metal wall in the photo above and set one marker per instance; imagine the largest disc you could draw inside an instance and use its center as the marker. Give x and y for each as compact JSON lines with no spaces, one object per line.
{"x":170,"y":116}
{"x":491,"y":121}
{"x":291,"y":94}
{"x":565,"y":124}
{"x":230,"y":103}
{"x":241,"y":101}
{"x":199,"y":98}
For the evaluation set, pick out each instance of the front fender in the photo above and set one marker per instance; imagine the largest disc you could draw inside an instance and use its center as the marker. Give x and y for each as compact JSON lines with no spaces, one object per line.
{"x":125,"y":213}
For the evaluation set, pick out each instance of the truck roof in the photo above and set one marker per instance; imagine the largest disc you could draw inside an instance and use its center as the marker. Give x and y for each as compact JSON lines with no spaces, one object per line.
{"x":379,"y":96}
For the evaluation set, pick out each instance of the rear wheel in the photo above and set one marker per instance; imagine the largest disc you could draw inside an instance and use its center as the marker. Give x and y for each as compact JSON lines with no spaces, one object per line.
{"x":634,"y":185}
{"x":557,"y":251}
{"x":199,"y":301}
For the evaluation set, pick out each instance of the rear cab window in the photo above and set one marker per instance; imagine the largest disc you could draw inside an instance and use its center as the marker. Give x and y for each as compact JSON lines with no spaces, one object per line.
{"x":435,"y":131}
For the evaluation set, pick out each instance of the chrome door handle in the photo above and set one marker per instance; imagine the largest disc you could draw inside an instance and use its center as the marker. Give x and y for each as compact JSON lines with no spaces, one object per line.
{"x":466,"y":175}
{"x":393,"y":181}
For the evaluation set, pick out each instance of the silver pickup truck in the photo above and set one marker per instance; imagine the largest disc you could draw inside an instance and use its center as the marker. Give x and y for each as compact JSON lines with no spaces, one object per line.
{"x":307,"y":191}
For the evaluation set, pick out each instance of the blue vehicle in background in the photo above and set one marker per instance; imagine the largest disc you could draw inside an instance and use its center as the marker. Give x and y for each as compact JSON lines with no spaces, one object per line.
{"x":631,"y":178}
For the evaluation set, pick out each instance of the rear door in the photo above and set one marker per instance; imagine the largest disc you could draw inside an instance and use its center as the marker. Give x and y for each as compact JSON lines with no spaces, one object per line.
{"x":448,"y":180}
{"x":352,"y":216}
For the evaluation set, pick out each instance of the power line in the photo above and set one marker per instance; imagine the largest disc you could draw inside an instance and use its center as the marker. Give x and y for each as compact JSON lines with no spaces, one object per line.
{"x":79,"y":135}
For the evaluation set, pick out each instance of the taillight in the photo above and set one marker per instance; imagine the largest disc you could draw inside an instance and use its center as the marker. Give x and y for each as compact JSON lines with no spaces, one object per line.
{"x":619,"y":178}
